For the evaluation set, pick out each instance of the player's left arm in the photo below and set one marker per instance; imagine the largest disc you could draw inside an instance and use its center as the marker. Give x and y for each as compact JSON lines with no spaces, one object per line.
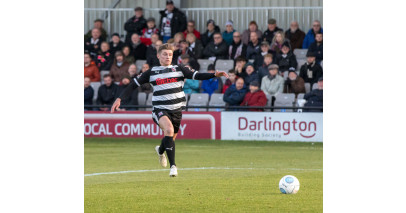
{"x":195,"y":75}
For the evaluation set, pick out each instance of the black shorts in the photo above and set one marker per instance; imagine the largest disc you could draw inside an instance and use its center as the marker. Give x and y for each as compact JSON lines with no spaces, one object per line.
{"x":174,"y":117}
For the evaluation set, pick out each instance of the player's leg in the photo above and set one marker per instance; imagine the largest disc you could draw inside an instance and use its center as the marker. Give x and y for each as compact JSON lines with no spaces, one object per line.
{"x":167,"y":142}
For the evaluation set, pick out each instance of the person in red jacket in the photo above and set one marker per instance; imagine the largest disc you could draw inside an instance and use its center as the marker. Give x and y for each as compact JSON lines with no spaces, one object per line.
{"x":91,"y":69}
{"x":255,"y":97}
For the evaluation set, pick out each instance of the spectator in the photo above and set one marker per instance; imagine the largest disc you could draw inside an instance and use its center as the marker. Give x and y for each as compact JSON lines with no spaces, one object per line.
{"x":311,"y":71}
{"x":152,"y":59}
{"x":252,"y":74}
{"x":191,"y":29}
{"x":315,"y":97}
{"x":213,"y":85}
{"x":286,"y":60}
{"x":253,"y":46}
{"x":148,"y":32}
{"x":246,"y":35}
{"x":135,"y":24}
{"x":104,"y":59}
{"x":107,"y":93}
{"x":240,"y":66}
{"x":228,"y":33}
{"x":189,"y":61}
{"x":294,"y":84}
{"x":98,"y":23}
{"x":217,"y":49}
{"x":232,"y":77}
{"x":255,"y":97}
{"x":212,"y":28}
{"x":88,"y":93}
{"x":177,"y":39}
{"x":132,"y":70}
{"x":311,"y":34}
{"x":277,"y":42}
{"x":270,"y":32}
{"x":91,"y":70}
{"x":263,"y":69}
{"x":317,"y":47}
{"x":115,"y":43}
{"x":147,"y":88}
{"x":195,"y":45}
{"x":119,"y":69}
{"x":184,"y":49}
{"x":295,"y":35}
{"x":172,"y":21}
{"x":259,"y":56}
{"x":237,"y":48}
{"x":138,"y":49}
{"x":131,"y":100}
{"x":235,"y":94}
{"x":127,"y":56}
{"x":272,"y":84}
{"x":92,"y":45}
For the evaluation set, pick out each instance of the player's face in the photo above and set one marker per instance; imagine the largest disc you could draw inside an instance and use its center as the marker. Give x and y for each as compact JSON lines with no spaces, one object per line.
{"x":165,"y":57}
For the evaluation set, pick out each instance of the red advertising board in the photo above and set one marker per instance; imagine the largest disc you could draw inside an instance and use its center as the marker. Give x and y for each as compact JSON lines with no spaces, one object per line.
{"x":139,"y":124}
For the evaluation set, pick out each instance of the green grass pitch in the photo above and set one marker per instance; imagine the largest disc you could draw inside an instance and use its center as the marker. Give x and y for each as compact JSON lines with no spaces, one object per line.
{"x":218,"y":176}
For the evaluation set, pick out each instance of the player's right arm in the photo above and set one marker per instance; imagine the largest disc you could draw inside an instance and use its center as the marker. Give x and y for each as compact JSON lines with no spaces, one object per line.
{"x":135,"y":82}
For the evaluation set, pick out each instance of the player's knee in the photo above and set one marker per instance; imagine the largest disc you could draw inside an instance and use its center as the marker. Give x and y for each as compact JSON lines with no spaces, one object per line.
{"x":169,"y":131}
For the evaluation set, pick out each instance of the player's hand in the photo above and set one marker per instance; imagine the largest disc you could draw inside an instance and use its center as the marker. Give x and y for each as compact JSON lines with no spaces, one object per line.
{"x":221,"y":73}
{"x":116,"y":105}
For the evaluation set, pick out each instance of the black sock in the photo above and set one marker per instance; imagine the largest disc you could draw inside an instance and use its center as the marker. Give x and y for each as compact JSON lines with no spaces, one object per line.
{"x":162,"y":146}
{"x":169,"y":145}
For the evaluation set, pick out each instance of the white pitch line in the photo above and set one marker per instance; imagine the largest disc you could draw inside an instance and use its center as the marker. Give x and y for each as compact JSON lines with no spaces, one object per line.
{"x":201,"y":168}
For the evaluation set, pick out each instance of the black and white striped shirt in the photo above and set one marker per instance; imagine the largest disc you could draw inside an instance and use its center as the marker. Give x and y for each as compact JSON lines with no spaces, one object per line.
{"x":167,"y":83}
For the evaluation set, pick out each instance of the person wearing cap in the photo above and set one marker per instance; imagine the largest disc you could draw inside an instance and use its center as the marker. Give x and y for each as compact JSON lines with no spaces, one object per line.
{"x":295,"y":35}
{"x":130,"y":100}
{"x":311,"y":34}
{"x":106,"y":93}
{"x":228,"y":33}
{"x":237,"y":48}
{"x":138,"y":49}
{"x":315,"y":97}
{"x":171,"y":22}
{"x":259,"y":56}
{"x":98,"y":23}
{"x":92,"y":45}
{"x":252,"y":74}
{"x":191,"y":29}
{"x":246,"y":35}
{"x":149,"y":31}
{"x":213,"y":85}
{"x":207,"y":36}
{"x":286,"y":60}
{"x":119,"y":68}
{"x":255,"y":97}
{"x":277,"y":42}
{"x":294,"y":84}
{"x":135,"y":24}
{"x":272,"y":84}
{"x":235,"y":94}
{"x":254,"y":46}
{"x":216,"y":49}
{"x":263,"y":69}
{"x":311,"y":71}
{"x":115,"y":43}
{"x":270,"y":32}
{"x":317,"y":47}
{"x":195,"y":45}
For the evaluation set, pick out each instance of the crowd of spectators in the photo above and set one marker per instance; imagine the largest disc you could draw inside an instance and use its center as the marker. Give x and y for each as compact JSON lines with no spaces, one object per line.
{"x":261,"y":59}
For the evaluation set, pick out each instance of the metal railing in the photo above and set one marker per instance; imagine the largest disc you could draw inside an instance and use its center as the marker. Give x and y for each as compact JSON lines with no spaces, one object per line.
{"x":241,"y":17}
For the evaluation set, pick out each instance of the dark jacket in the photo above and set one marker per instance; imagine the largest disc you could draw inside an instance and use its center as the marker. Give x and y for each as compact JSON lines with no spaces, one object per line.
{"x":250,"y":78}
{"x":234,"y":97}
{"x":178,"y":21}
{"x":232,"y":49}
{"x":268,"y":35}
{"x":118,"y":72}
{"x":259,"y":59}
{"x":314,"y":98}
{"x":318,"y":50}
{"x":210,"y":86}
{"x":257,"y":98}
{"x":139,"y":51}
{"x":296,"y":38}
{"x":311,"y":72}
{"x":114,"y":49}
{"x":89,"y":92}
{"x":220,"y":51}
{"x":287,"y":62}
{"x":206,"y":39}
{"x":309,"y":38}
{"x":130,"y":100}
{"x":104,"y":60}
{"x":177,"y":53}
{"x":134,"y":25}
{"x":252,"y":50}
{"x":93,"y":49}
{"x":152,"y":60}
{"x":107,"y":95}
{"x":262,"y":71}
{"x":197,"y":49}
{"x":297,"y":86}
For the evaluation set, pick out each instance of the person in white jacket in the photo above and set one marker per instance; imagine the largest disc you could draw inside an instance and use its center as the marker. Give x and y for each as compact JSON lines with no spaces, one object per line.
{"x":272,"y":84}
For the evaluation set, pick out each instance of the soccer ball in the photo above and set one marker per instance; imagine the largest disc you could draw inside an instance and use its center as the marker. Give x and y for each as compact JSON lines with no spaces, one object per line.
{"x":289,"y":184}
